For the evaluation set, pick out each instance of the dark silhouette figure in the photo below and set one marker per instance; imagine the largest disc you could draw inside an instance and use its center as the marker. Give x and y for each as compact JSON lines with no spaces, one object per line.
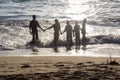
{"x":68,"y":30}
{"x":57,"y":30}
{"x":76,"y":32}
{"x":84,"y":33}
{"x":33,"y":29}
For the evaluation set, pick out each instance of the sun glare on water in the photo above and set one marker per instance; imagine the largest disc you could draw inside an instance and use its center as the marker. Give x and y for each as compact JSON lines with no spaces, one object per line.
{"x":76,"y":9}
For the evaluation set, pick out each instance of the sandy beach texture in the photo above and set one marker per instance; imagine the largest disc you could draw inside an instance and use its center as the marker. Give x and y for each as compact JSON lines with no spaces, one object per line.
{"x":58,"y":68}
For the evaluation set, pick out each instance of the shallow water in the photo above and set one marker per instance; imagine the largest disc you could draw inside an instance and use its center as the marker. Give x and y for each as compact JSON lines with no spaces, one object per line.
{"x":103,"y":20}
{"x":14,"y":37}
{"x":100,"y":50}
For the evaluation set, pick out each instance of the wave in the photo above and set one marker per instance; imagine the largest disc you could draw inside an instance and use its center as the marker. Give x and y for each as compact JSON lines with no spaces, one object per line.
{"x":99,"y":39}
{"x":16,"y":1}
{"x":15,"y":35}
{"x":100,"y":12}
{"x":109,"y":1}
{"x":103,"y":39}
{"x":19,"y":1}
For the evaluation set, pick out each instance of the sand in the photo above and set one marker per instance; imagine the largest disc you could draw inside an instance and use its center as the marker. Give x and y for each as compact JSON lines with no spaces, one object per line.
{"x":58,"y":68}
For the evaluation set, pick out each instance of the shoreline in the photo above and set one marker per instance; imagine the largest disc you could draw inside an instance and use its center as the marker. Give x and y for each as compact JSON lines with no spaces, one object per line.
{"x":60,"y":58}
{"x":90,"y":51}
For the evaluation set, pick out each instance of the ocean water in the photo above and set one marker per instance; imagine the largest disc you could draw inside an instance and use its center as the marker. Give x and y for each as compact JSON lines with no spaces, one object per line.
{"x":96,"y":11}
{"x":103,"y":22}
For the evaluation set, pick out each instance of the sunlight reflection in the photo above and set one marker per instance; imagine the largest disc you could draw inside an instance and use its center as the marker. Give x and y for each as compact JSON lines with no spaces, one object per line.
{"x":89,"y":30}
{"x":77,"y":9}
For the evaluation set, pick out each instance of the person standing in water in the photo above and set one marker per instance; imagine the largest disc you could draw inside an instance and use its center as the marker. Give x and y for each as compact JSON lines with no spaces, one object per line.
{"x":84,"y":33}
{"x":33,"y":29}
{"x":57,"y":30}
{"x":76,"y":32}
{"x":68,"y":30}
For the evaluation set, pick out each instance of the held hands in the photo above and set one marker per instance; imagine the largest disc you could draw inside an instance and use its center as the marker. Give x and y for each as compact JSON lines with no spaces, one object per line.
{"x":44,"y":30}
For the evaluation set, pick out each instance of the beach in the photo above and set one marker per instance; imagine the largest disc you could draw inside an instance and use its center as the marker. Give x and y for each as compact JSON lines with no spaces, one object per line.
{"x":58,"y":68}
{"x":99,"y":59}
{"x":18,"y":61}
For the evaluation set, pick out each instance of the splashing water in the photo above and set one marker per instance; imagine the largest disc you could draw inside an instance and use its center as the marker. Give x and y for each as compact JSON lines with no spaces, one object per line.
{"x":103,"y":18}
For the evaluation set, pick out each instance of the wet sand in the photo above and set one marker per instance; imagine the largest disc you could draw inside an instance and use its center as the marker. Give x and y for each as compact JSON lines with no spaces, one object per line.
{"x":58,"y":68}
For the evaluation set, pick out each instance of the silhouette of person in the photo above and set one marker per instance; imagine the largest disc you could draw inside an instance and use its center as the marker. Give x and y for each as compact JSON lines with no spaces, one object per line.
{"x":68,"y":30}
{"x":76,"y":32}
{"x":57,"y":30}
{"x":84,"y":33}
{"x":33,"y":29}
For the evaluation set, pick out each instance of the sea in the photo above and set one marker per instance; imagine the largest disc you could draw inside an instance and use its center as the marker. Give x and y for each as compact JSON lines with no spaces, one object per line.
{"x":102,"y":27}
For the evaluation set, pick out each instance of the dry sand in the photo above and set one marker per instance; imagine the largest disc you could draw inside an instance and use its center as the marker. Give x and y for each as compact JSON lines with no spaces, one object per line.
{"x":58,"y":68}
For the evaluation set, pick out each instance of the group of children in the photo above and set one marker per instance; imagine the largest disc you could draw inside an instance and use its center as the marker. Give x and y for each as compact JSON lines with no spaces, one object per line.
{"x":57,"y":30}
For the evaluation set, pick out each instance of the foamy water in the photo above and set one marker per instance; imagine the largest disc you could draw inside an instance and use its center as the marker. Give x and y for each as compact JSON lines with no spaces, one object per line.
{"x":103,"y":18}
